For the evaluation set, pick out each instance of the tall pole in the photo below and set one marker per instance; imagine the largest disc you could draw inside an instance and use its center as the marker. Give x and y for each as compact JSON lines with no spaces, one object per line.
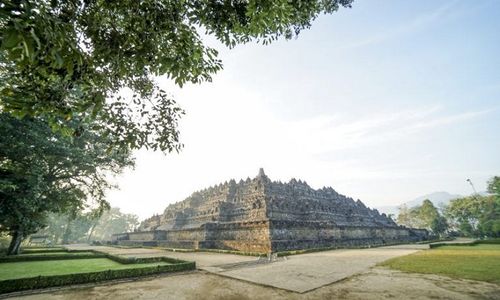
{"x":472,"y":185}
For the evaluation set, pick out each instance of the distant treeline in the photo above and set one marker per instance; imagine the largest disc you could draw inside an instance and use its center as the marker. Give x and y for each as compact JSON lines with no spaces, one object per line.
{"x":86,"y":227}
{"x":473,"y":216}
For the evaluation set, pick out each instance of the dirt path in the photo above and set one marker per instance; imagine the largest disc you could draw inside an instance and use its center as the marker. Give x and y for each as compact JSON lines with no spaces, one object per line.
{"x":377,"y":283}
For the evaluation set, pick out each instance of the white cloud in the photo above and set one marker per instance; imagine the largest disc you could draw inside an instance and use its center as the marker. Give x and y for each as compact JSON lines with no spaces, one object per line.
{"x":418,"y":23}
{"x":326,"y":134}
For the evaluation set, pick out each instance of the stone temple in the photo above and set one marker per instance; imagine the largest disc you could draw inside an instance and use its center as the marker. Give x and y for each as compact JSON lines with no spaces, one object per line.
{"x":260,"y":215}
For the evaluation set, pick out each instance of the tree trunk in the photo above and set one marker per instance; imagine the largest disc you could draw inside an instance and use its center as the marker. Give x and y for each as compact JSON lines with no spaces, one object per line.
{"x":57,"y":237}
{"x":92,"y":231}
{"x":15,"y":243}
{"x":67,"y":232}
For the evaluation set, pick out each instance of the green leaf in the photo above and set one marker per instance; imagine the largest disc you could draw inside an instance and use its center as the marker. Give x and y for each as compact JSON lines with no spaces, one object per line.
{"x":11,"y":39}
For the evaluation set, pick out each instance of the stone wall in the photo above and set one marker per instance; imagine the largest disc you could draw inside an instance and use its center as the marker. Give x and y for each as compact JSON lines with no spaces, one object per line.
{"x":119,"y":237}
{"x":147,"y":235}
{"x":291,"y":235}
{"x":274,"y":236}
{"x":242,"y":236}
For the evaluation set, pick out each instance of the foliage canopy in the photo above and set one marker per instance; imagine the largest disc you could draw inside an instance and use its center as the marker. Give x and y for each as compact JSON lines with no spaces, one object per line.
{"x":473,"y":216}
{"x":88,"y":226}
{"x":425,"y":216}
{"x":63,"y":59}
{"x":42,"y":171}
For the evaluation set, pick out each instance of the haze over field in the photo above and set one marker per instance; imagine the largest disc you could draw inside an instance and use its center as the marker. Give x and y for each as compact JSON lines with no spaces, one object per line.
{"x":384,"y":102}
{"x":439,"y":200}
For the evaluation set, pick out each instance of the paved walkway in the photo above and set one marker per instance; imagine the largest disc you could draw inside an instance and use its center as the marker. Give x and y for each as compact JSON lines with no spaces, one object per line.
{"x":298,"y":273}
{"x":306,"y":272}
{"x":375,"y":284}
{"x":202,"y":259}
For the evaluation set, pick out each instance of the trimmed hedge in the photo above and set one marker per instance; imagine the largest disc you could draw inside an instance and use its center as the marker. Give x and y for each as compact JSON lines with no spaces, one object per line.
{"x":303,"y":251}
{"x":230,"y":252}
{"x":434,"y":241}
{"x":184,"y":250}
{"x":20,"y":258}
{"x":142,"y":260}
{"x":42,"y":250}
{"x":437,"y":245}
{"x":491,"y":241}
{"x":86,"y":254}
{"x":13,"y":285}
{"x":473,"y":243}
{"x":3,"y":252}
{"x":311,"y":250}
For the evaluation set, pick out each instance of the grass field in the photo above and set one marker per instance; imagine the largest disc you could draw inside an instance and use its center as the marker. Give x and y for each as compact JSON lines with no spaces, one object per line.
{"x":478,"y":262}
{"x":72,"y":266}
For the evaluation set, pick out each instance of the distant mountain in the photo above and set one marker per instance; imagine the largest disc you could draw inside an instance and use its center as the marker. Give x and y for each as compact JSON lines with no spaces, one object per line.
{"x":437,"y":198}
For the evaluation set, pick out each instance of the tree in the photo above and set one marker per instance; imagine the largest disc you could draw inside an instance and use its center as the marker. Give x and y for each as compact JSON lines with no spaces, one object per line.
{"x":113,"y":221}
{"x":392,"y":217}
{"x":43,"y":172}
{"x":70,"y":59}
{"x":425,"y":216}
{"x":55,"y":227}
{"x":476,"y":215}
{"x":86,"y":226}
{"x":439,"y":225}
{"x":489,"y":221}
{"x":404,"y":217}
{"x":76,"y":227}
{"x":494,"y":186}
{"x":464,"y":214}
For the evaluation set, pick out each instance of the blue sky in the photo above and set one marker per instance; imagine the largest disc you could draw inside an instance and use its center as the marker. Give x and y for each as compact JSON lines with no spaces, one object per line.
{"x":384,"y":102}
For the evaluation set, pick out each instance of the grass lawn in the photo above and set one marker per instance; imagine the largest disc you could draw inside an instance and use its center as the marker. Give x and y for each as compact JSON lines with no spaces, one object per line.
{"x":57,"y":267}
{"x":478,"y":262}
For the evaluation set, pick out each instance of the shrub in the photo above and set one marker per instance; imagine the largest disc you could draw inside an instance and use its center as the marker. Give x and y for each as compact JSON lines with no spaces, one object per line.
{"x":490,"y":241}
{"x":142,"y":260}
{"x":230,"y":252}
{"x":473,"y":243}
{"x":45,"y":250}
{"x":20,"y":258}
{"x":13,"y":285}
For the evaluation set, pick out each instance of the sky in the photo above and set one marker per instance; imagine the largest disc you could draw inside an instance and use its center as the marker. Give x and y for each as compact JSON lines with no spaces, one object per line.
{"x":384,"y":102}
